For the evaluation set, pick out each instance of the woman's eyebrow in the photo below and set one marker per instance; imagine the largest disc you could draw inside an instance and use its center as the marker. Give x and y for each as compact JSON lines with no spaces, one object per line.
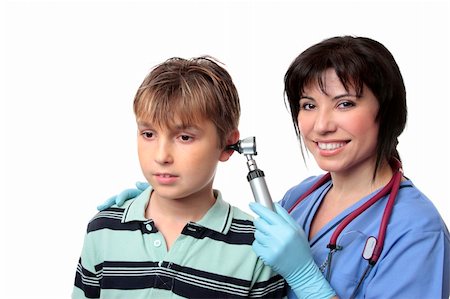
{"x":344,"y":96}
{"x":306,"y":97}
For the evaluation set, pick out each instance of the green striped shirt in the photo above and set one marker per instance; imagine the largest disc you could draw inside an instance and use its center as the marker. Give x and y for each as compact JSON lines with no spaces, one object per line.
{"x":124,"y":256}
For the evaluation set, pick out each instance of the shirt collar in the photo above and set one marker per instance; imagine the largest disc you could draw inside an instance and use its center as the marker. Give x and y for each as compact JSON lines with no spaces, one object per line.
{"x":218,"y":217}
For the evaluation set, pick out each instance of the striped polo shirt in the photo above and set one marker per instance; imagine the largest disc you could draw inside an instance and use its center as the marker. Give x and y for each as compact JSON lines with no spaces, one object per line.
{"x":124,"y":256}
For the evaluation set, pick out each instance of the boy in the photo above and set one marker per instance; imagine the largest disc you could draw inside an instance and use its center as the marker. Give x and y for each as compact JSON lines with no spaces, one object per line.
{"x":178,"y":238}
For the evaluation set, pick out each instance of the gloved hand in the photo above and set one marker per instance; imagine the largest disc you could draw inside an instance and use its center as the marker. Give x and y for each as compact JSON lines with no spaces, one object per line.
{"x":123,"y":196}
{"x":282,"y":244}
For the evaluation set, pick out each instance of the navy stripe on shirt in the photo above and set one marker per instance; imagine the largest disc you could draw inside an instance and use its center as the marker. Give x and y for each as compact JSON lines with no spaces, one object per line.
{"x":183,"y":281}
{"x":87,"y":281}
{"x":241,"y":231}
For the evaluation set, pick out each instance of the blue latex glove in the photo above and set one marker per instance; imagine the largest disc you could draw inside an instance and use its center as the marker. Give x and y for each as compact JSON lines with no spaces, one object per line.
{"x":282,"y":244}
{"x":123,"y":196}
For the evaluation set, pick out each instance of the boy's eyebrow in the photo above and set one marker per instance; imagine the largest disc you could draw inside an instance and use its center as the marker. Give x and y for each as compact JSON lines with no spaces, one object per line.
{"x":142,"y":123}
{"x":179,"y":127}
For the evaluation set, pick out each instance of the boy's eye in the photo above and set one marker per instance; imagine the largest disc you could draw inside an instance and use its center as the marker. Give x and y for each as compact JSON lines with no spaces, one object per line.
{"x":185,"y":137}
{"x":148,"y":134}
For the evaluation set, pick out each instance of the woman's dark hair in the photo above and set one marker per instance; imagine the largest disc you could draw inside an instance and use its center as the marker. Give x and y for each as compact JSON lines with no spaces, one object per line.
{"x":357,"y":61}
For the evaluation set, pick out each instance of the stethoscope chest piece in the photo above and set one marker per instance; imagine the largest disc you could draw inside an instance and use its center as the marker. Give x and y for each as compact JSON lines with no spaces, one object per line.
{"x":369,"y":248}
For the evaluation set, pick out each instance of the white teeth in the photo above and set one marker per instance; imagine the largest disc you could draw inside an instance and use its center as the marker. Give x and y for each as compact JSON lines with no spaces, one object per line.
{"x":330,"y":146}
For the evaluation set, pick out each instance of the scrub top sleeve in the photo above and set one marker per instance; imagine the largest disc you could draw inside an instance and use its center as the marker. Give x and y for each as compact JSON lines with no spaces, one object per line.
{"x":416,"y":266}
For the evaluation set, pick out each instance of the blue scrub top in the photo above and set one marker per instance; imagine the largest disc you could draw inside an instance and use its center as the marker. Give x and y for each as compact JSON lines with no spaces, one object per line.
{"x":415,"y":261}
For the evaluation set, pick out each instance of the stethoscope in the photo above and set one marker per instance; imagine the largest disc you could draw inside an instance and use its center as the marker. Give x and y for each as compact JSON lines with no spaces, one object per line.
{"x":374,"y":246}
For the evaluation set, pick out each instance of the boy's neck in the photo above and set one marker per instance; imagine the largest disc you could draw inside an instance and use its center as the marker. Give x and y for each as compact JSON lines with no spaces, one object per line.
{"x":189,"y":209}
{"x":171,"y":215}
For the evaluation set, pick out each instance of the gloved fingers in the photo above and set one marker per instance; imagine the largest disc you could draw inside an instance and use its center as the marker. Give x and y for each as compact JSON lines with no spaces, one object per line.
{"x":262,"y":226}
{"x":266,"y":254}
{"x":262,"y":238}
{"x":258,"y":249}
{"x":269,"y":216}
{"x":142,"y":185}
{"x":261,"y":252}
{"x":125,"y":195}
{"x":108,"y":203}
{"x":286,"y":216}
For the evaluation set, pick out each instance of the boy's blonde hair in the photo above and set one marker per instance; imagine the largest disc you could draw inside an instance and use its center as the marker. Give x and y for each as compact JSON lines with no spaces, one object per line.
{"x":189,"y":90}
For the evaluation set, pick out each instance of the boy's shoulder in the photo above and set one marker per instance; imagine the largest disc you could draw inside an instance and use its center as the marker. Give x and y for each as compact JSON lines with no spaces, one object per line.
{"x":111,"y":218}
{"x":223,"y":209}
{"x":241,"y":214}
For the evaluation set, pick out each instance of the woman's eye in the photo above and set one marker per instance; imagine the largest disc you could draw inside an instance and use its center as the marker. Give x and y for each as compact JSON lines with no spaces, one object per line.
{"x":307,"y":106}
{"x":346,"y":104}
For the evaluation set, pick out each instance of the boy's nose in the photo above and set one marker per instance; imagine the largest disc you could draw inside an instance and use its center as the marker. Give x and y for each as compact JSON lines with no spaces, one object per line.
{"x":163,"y":153}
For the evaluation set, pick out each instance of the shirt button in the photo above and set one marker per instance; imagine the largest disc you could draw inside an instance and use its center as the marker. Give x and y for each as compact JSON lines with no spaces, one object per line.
{"x":157,"y":243}
{"x":148,"y":226}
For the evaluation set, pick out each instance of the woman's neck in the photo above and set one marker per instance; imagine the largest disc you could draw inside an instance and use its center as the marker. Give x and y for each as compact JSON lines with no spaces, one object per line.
{"x":355,"y":185}
{"x":347,"y":189}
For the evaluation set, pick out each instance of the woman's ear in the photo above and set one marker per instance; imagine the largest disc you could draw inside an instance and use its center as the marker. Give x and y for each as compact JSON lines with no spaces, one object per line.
{"x":232,"y":138}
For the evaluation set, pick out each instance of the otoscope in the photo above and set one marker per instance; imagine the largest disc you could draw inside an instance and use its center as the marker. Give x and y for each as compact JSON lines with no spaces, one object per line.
{"x":255,"y":175}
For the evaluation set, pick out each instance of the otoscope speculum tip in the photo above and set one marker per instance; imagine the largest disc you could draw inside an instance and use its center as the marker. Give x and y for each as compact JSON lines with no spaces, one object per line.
{"x":245,"y":146}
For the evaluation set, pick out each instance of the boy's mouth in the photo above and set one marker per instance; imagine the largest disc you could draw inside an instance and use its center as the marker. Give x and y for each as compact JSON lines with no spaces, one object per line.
{"x":165,"y":178}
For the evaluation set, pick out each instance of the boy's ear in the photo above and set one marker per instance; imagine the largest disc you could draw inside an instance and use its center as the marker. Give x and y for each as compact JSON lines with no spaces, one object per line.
{"x":232,"y":138}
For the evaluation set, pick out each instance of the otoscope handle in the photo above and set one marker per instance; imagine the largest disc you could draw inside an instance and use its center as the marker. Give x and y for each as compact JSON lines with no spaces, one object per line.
{"x":259,"y":188}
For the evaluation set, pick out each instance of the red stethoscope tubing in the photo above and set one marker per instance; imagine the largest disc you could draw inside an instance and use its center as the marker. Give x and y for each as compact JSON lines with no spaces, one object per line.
{"x":392,"y":187}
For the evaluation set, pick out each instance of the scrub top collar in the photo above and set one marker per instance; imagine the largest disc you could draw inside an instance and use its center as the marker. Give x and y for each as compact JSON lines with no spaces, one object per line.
{"x":314,"y":205}
{"x":218,"y":217}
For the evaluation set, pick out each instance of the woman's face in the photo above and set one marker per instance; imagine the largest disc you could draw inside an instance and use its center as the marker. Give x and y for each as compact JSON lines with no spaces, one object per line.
{"x":337,"y":127}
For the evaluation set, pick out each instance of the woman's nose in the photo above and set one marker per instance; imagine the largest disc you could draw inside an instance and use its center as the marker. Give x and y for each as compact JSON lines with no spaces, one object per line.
{"x":325,"y":121}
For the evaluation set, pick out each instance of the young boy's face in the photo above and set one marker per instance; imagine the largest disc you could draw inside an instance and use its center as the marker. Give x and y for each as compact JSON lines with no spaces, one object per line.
{"x":180,"y":162}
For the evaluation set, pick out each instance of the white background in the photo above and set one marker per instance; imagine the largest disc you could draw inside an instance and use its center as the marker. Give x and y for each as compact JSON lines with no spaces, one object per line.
{"x":70,"y":71}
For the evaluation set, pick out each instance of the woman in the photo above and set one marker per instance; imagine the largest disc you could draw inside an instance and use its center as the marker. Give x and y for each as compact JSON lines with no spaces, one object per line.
{"x":348,"y":105}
